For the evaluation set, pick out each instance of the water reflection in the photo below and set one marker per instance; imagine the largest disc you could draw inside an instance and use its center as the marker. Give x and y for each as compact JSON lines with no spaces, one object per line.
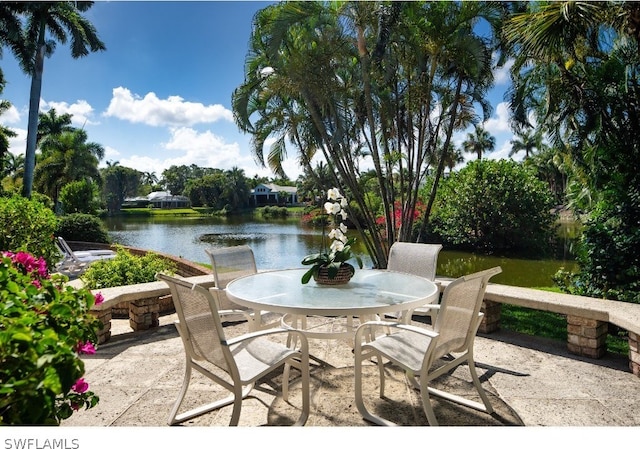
{"x":283,"y":243}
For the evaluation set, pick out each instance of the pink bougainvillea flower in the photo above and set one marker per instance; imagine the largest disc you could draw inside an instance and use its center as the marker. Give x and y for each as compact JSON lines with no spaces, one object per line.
{"x":80,"y":386}
{"x":26,"y":260}
{"x":41,"y":265}
{"x":99,"y":298}
{"x":85,"y":348}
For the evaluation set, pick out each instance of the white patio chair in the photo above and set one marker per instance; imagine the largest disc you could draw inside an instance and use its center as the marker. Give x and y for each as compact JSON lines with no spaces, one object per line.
{"x":70,"y":266}
{"x":420,"y":259}
{"x":87,"y":255}
{"x":229,"y":263}
{"x":74,"y":263}
{"x":241,"y":361}
{"x":416,"y":349}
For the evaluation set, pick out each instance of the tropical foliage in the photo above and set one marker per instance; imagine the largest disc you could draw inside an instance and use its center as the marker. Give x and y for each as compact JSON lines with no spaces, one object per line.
{"x":495,"y":206}
{"x":82,"y":228}
{"x":577,"y":72}
{"x":45,"y":23}
{"x":28,"y":226}
{"x":44,"y":327}
{"x":79,"y":197}
{"x":65,"y":158}
{"x":366,"y":82}
{"x":126,"y":269}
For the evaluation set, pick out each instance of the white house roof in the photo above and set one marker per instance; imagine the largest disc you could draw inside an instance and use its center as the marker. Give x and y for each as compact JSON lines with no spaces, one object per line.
{"x":274,"y":188}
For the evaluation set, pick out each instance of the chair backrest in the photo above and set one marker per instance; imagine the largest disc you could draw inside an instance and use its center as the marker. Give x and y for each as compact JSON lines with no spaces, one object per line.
{"x":459,"y":316}
{"x":420,"y":259}
{"x":66,"y":249}
{"x":198,"y":323}
{"x":231,"y":262}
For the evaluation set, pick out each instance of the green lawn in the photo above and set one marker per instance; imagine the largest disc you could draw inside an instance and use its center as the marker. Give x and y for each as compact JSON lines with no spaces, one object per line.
{"x":549,"y":325}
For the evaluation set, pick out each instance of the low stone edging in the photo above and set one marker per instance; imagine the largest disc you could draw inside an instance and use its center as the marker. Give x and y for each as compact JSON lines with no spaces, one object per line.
{"x":587,"y":318}
{"x":141,"y":303}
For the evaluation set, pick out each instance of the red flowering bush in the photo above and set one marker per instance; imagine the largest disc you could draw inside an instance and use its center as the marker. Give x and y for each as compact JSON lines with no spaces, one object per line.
{"x":44,"y":327}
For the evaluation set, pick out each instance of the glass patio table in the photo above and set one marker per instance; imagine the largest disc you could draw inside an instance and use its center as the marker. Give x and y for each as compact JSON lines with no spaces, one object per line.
{"x":369,"y":294}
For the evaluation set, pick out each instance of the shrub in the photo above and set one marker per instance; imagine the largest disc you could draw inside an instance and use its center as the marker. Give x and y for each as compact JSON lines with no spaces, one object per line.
{"x":125,"y":269}
{"x":274,"y":211}
{"x":82,"y":228}
{"x":28,"y":225}
{"x":607,"y":255}
{"x":44,"y":325}
{"x":79,"y":197}
{"x":495,"y":206}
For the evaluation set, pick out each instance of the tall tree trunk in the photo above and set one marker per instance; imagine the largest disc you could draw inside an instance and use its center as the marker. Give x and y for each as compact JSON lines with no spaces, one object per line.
{"x":34,"y":110}
{"x":441,"y":162}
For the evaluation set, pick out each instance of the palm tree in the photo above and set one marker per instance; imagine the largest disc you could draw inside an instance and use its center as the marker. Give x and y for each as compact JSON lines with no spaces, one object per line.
{"x":14,"y":166}
{"x":10,"y":26}
{"x":69,"y":157}
{"x":60,"y":20}
{"x":236,"y":189}
{"x":363,"y":79}
{"x":5,"y":133}
{"x":453,"y":157}
{"x":577,"y":68}
{"x":50,"y":123}
{"x":147,"y":178}
{"x":479,"y":142}
{"x":525,"y":141}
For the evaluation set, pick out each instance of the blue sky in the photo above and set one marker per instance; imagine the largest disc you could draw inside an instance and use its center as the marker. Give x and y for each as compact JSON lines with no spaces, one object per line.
{"x":160,"y":94}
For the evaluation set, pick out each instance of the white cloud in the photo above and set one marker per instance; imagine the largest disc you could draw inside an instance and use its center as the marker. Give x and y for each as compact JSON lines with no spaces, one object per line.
{"x":11,"y":115}
{"x":110,"y":154}
{"x":191,"y":147}
{"x":81,"y":111}
{"x":502,"y":152}
{"x":500,"y":122}
{"x":18,"y":144}
{"x":172,"y":111}
{"x":501,"y":75}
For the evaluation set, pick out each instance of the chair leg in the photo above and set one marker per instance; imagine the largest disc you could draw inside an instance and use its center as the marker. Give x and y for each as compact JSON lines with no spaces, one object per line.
{"x":183,"y":391}
{"x":359,"y":357}
{"x":238,"y":396}
{"x":306,"y":387}
{"x":478,"y":385}
{"x":426,"y":405}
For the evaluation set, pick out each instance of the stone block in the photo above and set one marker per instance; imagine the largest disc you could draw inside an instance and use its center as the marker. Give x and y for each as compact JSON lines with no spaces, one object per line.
{"x":586,"y":337}
{"x":492,"y":311}
{"x":104,"y":316}
{"x":144,"y":314}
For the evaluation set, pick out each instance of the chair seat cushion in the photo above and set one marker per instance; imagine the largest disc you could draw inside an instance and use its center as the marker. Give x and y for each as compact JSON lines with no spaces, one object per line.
{"x":408,"y":348}
{"x":255,"y":357}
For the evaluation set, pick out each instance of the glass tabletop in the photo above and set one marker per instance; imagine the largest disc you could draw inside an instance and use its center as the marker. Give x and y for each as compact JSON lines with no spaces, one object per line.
{"x":368,"y":291}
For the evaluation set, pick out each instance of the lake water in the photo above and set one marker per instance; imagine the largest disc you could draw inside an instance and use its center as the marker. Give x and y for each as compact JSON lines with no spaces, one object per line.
{"x":283,"y":243}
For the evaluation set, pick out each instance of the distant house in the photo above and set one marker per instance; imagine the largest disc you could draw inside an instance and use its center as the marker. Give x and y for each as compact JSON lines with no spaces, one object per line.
{"x":273,"y":194}
{"x":158,"y":200}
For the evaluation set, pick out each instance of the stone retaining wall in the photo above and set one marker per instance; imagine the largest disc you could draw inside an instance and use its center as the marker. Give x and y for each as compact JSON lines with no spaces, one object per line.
{"x":143,"y":313}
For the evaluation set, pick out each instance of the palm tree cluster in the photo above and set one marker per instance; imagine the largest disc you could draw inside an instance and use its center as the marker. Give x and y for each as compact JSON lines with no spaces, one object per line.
{"x":376,"y":86}
{"x":31,"y":30}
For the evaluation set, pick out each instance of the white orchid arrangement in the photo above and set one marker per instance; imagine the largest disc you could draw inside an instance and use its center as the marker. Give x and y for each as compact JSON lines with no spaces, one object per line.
{"x":340,"y":248}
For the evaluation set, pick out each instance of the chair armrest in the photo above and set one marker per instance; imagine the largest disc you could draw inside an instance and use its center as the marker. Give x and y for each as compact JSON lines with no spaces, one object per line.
{"x":244,"y":313}
{"x":391,"y":324}
{"x":267,"y":332}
